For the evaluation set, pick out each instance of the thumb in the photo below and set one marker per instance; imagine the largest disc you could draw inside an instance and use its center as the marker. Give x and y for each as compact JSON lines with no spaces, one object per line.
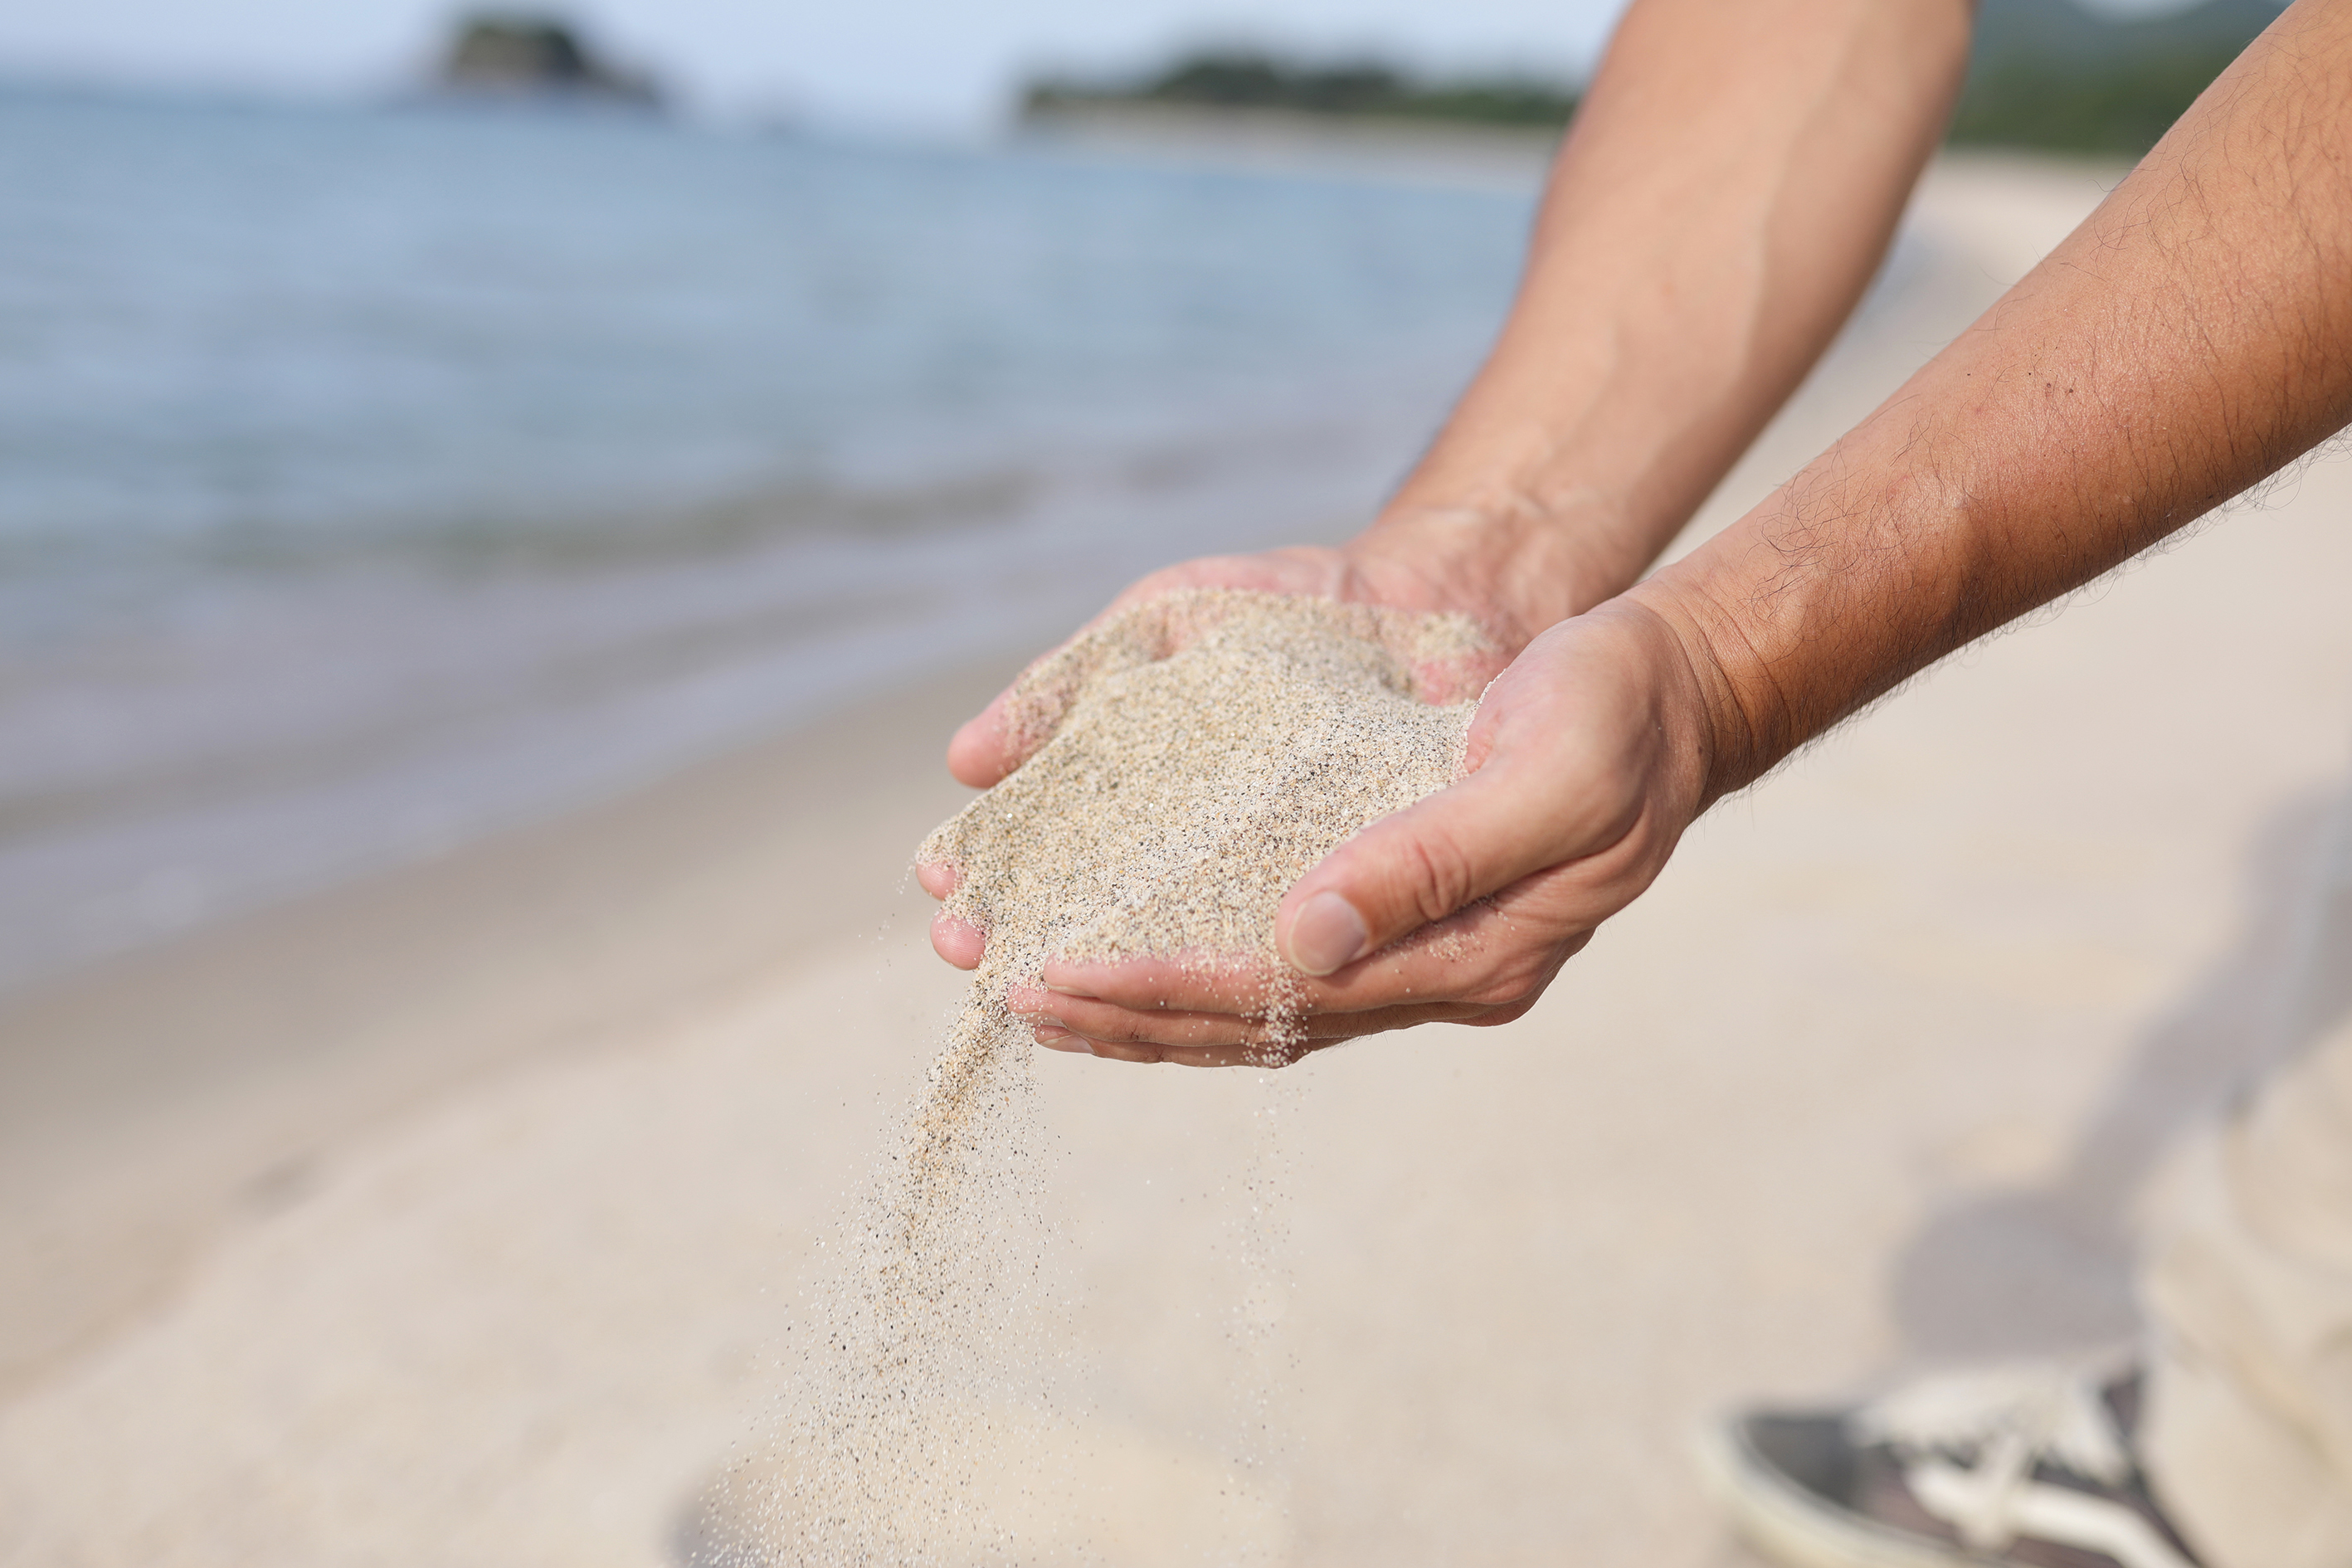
{"x":983,"y":750}
{"x":1576,"y":768}
{"x":1421,"y":864}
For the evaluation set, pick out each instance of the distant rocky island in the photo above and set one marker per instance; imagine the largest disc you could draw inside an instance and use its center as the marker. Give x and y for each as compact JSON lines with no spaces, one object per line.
{"x":518,"y":57}
{"x":2045,"y":75}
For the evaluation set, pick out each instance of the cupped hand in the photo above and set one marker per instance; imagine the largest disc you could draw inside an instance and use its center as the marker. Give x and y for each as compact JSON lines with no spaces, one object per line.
{"x":1588,"y":758}
{"x":1414,"y":564}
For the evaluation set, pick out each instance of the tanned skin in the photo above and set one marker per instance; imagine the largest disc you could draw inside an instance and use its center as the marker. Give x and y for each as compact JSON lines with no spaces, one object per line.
{"x":1728,"y":189}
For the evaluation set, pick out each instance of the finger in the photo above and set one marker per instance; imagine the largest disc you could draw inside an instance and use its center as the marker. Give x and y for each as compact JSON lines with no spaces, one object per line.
{"x":936,"y":878}
{"x":1103,"y":1021}
{"x":1489,"y":953}
{"x":1055,"y":1040}
{"x":1269,"y":1052}
{"x":1240,"y":1056}
{"x":1112,"y":1050}
{"x":957,"y":942}
{"x":1260,"y":1056}
{"x":1579,"y":773}
{"x":981,"y":752}
{"x":1181,"y":983}
{"x":1176,"y":987}
{"x":1400,"y":874}
{"x":1493,"y":829}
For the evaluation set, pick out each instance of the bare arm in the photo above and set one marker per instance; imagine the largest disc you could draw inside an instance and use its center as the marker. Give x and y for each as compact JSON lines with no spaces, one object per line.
{"x":2194,"y":335}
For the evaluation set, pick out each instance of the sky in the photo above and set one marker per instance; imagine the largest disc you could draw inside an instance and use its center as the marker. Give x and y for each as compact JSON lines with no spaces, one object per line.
{"x":939,"y":64}
{"x":934,"y":64}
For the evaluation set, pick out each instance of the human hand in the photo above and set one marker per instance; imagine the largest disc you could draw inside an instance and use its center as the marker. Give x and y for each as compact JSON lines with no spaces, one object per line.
{"x":1425,"y":559}
{"x":1588,"y":758}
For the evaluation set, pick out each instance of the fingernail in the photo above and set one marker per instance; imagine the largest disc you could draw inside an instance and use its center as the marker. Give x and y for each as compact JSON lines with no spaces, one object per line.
{"x":1047,"y":1034}
{"x":1328,"y":934}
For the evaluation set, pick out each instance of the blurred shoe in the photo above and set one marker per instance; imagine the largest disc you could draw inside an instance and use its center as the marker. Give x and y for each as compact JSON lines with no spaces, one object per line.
{"x":2024,"y":1465}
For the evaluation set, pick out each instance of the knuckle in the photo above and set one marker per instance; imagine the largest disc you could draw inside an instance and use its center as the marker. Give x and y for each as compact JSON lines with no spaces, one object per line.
{"x":1516,"y":983}
{"x":1097,"y":1023}
{"x":1436,"y":874}
{"x":1500,"y":995}
{"x":1126,"y":1032}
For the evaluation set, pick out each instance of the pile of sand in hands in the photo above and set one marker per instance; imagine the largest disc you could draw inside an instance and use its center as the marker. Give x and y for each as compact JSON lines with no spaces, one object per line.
{"x":1200,"y":752}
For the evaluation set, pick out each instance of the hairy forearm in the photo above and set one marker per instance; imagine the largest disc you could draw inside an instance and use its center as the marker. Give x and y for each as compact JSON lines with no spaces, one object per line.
{"x":1729,"y":186}
{"x":2193,"y":336}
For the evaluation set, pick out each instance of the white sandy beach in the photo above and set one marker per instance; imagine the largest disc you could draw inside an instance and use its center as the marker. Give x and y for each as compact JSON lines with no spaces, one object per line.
{"x":455,"y":1218}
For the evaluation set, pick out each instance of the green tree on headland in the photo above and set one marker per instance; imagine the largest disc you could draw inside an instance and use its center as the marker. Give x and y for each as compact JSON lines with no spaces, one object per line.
{"x":2044,"y":74}
{"x":1373,"y":89}
{"x":2048,"y":75}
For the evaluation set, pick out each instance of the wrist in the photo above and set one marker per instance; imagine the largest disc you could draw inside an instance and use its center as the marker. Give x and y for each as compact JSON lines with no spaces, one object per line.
{"x":1531,"y":567}
{"x":1742,"y":724}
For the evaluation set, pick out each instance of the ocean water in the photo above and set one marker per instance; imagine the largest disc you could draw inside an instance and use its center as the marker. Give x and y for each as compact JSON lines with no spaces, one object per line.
{"x":373,"y":478}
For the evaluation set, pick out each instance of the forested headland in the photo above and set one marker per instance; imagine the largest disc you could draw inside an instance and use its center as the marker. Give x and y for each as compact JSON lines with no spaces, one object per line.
{"x":2045,"y":75}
